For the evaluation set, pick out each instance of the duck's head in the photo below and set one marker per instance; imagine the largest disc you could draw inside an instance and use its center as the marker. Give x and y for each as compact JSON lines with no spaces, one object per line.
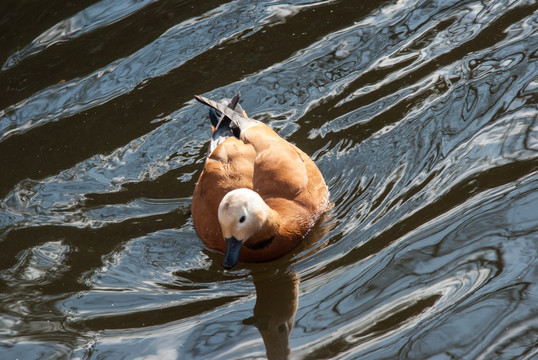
{"x":242,"y":216}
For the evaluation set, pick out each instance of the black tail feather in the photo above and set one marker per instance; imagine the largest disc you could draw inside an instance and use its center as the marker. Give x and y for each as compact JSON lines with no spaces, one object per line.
{"x":215,"y":115}
{"x":222,"y":123}
{"x":223,"y":126}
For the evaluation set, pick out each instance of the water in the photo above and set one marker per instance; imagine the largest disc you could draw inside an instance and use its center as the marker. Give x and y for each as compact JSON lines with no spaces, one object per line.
{"x":422,"y":116}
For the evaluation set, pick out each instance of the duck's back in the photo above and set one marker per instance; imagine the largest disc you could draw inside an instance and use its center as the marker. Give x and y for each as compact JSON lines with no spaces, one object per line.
{"x":282,"y":170}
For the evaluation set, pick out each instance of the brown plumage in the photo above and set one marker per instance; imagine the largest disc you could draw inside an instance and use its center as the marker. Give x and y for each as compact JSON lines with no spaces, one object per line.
{"x":279,"y":191}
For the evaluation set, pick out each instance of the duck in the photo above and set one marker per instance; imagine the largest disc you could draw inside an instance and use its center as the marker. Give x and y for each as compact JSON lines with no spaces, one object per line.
{"x":258,"y":195}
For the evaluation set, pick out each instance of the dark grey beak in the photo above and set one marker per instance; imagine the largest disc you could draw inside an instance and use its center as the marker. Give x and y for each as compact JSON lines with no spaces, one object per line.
{"x":233,"y":248}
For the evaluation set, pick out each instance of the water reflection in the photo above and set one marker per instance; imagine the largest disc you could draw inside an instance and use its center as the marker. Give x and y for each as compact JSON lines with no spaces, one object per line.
{"x":274,"y":312}
{"x":277,"y":292}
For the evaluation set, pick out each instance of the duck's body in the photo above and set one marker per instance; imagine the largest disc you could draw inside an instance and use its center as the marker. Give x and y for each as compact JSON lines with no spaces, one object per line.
{"x":285,"y":192}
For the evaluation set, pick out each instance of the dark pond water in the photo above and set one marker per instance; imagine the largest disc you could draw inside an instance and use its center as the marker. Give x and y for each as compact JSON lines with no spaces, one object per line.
{"x":422,"y":116}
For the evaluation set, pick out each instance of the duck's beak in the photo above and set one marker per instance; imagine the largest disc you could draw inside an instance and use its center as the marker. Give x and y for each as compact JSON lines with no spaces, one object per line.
{"x":233,"y":247}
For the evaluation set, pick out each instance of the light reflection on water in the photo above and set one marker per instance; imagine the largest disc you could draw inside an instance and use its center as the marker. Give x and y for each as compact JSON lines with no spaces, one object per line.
{"x":421,"y":116}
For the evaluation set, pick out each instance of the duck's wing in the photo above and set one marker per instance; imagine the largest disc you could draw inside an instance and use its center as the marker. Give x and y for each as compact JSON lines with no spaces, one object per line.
{"x":280,"y":169}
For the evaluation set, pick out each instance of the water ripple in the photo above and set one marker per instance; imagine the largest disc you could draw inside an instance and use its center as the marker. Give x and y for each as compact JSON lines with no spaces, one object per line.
{"x":98,"y":15}
{"x":171,"y":50}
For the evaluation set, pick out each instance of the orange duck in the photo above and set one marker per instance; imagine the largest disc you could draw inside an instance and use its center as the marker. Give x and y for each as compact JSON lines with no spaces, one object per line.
{"x":258,"y":195}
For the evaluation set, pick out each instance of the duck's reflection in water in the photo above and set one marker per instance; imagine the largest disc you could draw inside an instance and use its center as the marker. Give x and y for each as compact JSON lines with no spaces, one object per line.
{"x":274,"y":312}
{"x":277,"y":295}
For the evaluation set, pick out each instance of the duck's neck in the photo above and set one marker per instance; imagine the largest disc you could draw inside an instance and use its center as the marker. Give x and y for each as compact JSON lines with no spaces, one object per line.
{"x":267,"y":232}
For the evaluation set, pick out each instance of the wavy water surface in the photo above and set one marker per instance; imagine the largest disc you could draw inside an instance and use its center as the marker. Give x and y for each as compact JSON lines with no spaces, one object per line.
{"x":422,"y":116}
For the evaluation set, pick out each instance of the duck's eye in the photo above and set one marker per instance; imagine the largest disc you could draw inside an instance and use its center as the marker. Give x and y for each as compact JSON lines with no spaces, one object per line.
{"x":242,"y":219}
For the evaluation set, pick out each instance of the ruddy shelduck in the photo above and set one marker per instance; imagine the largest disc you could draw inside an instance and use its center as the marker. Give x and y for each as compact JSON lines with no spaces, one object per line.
{"x":258,"y":195}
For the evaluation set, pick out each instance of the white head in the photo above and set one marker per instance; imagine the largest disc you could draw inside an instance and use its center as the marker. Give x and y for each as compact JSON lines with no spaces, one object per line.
{"x":242,"y":213}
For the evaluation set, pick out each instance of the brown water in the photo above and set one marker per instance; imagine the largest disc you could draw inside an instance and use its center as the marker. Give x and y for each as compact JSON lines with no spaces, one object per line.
{"x":422,"y":116}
